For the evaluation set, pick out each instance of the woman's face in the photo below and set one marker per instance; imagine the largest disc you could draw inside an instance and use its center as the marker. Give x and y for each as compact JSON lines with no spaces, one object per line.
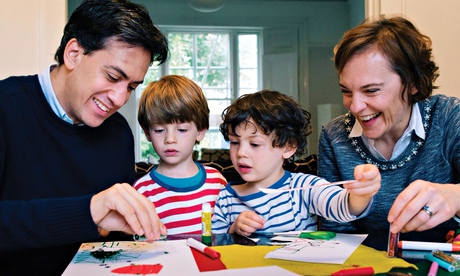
{"x":372,"y":92}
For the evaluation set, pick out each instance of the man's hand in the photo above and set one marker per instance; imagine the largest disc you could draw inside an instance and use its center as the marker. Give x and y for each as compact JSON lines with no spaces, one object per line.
{"x":122,"y":208}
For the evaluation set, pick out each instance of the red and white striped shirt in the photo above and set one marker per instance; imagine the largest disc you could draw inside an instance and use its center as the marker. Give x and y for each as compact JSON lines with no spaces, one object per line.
{"x":178,"y":202}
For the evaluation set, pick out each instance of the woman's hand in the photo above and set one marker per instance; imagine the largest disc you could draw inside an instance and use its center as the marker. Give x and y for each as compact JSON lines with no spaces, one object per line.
{"x":247,"y":223}
{"x":408,"y":214}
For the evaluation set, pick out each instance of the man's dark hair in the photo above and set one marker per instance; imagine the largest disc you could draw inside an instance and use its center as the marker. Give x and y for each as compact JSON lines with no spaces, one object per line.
{"x":95,"y":22}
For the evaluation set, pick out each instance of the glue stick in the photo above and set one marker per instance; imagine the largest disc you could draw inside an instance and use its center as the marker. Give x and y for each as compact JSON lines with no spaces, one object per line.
{"x":206,"y":235}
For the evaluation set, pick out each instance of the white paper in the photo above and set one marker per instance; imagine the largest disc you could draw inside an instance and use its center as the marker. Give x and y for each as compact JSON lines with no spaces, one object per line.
{"x":175,"y":257}
{"x":263,"y":270}
{"x":333,"y":251}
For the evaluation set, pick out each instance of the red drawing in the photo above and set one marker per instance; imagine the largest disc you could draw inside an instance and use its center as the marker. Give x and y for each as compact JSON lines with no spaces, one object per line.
{"x":139,"y":269}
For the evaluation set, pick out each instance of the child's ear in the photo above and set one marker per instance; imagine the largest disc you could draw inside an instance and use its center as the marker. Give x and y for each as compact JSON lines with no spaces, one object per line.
{"x":147,"y":134}
{"x":289,"y":151}
{"x":200,"y":135}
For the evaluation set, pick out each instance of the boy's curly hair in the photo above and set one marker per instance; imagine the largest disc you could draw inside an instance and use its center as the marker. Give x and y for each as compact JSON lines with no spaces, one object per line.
{"x":273,"y":112}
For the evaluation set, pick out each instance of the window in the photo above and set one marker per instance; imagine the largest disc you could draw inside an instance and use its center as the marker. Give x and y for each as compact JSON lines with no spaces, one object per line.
{"x":224,"y":63}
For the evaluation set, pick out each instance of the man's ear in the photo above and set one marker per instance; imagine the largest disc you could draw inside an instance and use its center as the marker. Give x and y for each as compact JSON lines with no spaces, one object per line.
{"x":72,"y":53}
{"x":289,"y":151}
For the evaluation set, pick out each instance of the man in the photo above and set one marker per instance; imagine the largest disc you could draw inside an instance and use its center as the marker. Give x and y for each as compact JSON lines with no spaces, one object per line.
{"x":66,"y":154}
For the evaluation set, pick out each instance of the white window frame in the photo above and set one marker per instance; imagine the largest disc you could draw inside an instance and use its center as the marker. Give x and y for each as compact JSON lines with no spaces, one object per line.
{"x":233,"y":32}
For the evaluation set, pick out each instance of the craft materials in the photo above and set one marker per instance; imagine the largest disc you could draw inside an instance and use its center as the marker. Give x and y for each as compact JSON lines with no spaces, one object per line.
{"x":356,"y":271}
{"x":418,"y":245}
{"x":273,"y":191}
{"x":447,"y":258}
{"x":142,"y":238}
{"x":393,"y":241}
{"x":206,"y":227}
{"x":208,"y":251}
{"x":440,"y":262}
{"x":318,"y":235}
{"x":433,"y":269}
{"x":450,"y":235}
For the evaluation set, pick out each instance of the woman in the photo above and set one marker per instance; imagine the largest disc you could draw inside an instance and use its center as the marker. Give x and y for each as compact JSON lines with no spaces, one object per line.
{"x":386,"y":76}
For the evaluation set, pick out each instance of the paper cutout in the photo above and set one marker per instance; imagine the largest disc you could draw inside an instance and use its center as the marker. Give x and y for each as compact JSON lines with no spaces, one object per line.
{"x":333,"y":251}
{"x":139,"y":269}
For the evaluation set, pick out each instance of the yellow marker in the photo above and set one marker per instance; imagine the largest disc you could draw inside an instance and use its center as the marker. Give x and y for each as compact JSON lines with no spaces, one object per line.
{"x":206,"y":234}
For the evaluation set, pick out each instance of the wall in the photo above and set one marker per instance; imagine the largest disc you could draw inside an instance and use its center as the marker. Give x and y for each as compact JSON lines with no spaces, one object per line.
{"x":317,"y":27}
{"x":31,"y":31}
{"x":439,"y":20}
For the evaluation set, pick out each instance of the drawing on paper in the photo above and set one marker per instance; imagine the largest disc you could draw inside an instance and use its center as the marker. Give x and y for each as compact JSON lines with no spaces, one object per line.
{"x":113,"y":252}
{"x":134,"y":258}
{"x":300,"y":244}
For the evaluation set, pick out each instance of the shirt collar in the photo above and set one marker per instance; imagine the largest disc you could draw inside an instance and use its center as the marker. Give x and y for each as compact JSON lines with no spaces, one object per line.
{"x":415,"y":124}
{"x":45,"y":82}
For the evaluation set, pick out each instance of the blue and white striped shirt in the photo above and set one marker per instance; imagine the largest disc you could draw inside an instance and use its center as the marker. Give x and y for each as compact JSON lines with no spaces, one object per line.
{"x":286,"y":211}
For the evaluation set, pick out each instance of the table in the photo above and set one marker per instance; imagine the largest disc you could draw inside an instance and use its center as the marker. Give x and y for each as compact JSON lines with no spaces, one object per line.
{"x":231,"y":239}
{"x":235,"y":239}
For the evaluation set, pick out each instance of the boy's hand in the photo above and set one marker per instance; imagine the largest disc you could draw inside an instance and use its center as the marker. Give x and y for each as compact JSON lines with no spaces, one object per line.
{"x":368,"y":183}
{"x":364,"y":189}
{"x":247,"y":223}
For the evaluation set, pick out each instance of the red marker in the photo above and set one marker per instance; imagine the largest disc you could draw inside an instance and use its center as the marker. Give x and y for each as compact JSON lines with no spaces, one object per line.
{"x":450,"y":235}
{"x":208,"y":251}
{"x":457,"y":239}
{"x":417,"y":245}
{"x":357,"y":271}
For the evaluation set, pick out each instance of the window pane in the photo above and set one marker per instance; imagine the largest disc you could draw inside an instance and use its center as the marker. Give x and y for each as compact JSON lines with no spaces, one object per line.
{"x":248,"y":78}
{"x":181,"y":49}
{"x":153,"y":74}
{"x":205,"y":58}
{"x":214,"y":77}
{"x":248,"y":71}
{"x":212,"y":50}
{"x":183,"y":72}
{"x":247,"y":50}
{"x":246,"y":91}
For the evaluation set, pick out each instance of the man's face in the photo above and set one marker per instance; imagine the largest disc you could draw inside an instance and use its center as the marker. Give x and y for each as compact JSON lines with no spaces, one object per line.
{"x":100,"y":83}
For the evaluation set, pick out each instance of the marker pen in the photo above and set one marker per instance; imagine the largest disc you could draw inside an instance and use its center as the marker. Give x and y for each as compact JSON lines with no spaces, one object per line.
{"x":142,"y":238}
{"x":440,"y":262}
{"x":358,"y":271}
{"x":450,"y":235}
{"x":417,"y":245}
{"x":433,"y":269}
{"x":208,"y":251}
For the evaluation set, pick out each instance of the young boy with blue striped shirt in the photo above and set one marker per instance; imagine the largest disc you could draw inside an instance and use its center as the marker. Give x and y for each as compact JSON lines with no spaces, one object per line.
{"x":264,"y":130}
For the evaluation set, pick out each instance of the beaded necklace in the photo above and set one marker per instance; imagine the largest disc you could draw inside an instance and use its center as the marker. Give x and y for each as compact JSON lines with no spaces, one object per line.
{"x":413,"y":152}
